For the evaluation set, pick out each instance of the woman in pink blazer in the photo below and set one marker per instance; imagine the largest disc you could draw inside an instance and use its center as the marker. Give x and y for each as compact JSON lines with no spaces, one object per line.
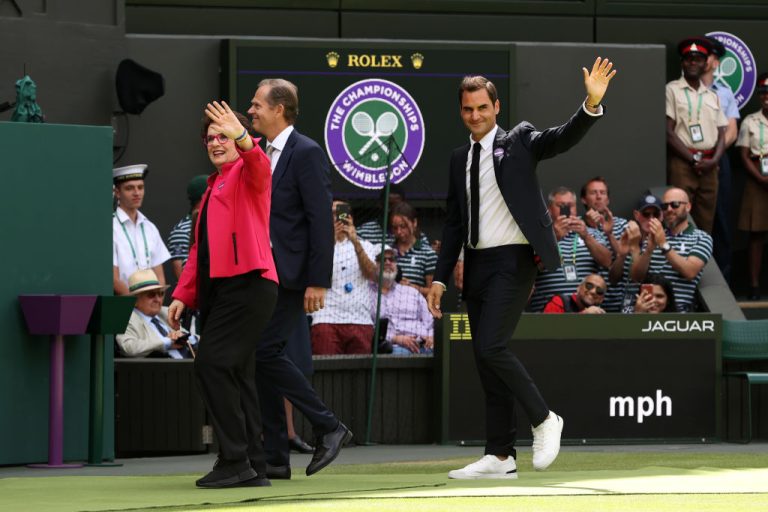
{"x":230,"y":278}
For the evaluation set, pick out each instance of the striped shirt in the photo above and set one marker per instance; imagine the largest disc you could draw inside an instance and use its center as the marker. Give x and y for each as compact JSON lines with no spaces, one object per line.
{"x":178,"y":240}
{"x":416,"y":263}
{"x":371,"y":231}
{"x":614,"y":296}
{"x":573,"y":251}
{"x":690,"y":242}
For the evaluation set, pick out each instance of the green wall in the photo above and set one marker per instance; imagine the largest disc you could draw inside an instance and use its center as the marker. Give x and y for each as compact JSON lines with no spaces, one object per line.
{"x":55,"y":226}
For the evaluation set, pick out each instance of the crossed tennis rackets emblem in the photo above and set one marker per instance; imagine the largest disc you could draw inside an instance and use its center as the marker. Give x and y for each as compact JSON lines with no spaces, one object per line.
{"x":727,"y":67}
{"x":364,"y":126}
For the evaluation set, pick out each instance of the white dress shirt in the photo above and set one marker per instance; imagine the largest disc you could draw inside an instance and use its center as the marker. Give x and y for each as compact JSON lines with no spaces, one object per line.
{"x":277,"y":146}
{"x":496,"y":225}
{"x":135,"y":246}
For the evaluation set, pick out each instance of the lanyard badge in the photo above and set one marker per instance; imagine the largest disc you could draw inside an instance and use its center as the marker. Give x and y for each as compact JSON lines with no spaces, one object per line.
{"x":695,"y":131}
{"x":694,"y":124}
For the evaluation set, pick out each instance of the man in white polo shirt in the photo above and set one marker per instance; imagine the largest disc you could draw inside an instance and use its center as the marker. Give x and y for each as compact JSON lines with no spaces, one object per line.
{"x":136,"y":242}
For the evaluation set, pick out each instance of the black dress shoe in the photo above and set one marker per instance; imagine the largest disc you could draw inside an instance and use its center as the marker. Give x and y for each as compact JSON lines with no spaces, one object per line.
{"x":229,"y":474}
{"x":278,"y":472}
{"x":327,"y":448}
{"x":297,"y":444}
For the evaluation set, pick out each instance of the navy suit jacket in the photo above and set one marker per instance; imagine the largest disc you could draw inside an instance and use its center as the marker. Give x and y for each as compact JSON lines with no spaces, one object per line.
{"x":515,"y":155}
{"x":301,"y":220}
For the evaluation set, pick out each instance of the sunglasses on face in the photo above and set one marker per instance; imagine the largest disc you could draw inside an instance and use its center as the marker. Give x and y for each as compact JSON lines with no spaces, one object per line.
{"x":155,"y":293}
{"x":208,"y":139}
{"x":650,"y":213}
{"x":674,"y":204}
{"x":592,"y":286}
{"x":390,"y":259}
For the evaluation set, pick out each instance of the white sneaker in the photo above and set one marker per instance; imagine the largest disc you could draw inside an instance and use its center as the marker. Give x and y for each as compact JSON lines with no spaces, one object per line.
{"x":488,"y":467}
{"x":546,"y":441}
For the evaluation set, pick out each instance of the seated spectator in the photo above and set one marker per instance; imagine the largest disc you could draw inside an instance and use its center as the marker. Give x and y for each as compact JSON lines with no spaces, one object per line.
{"x":656,"y":296}
{"x":344,"y":325}
{"x":371,"y":230}
{"x":595,"y":197}
{"x":415,"y":257}
{"x":632,"y":241}
{"x":410,"y":329}
{"x":586,"y":300}
{"x":583,"y":251}
{"x":180,"y":239}
{"x":678,"y":252}
{"x":148,"y":332}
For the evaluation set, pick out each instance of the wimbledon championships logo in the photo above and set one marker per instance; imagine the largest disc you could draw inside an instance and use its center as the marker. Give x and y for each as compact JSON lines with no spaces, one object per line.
{"x":737,"y":67}
{"x":370,"y":123}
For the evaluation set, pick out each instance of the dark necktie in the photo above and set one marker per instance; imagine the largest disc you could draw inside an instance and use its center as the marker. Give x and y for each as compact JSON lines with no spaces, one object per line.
{"x":159,"y":326}
{"x":474,"y":195}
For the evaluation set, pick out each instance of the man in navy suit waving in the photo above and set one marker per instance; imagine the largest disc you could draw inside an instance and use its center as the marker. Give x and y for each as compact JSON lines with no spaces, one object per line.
{"x":301,"y":233}
{"x":496,"y":212}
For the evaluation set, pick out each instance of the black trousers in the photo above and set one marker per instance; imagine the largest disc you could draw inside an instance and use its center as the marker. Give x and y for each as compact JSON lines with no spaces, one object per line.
{"x":721,"y":230}
{"x":497,"y":284}
{"x":277,"y":377}
{"x":233,"y":314}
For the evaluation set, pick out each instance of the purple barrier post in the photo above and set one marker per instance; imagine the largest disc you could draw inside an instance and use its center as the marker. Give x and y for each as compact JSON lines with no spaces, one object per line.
{"x":56,"y":316}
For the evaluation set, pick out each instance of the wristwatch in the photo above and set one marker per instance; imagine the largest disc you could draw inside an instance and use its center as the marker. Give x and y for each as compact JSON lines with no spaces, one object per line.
{"x":665,"y":248}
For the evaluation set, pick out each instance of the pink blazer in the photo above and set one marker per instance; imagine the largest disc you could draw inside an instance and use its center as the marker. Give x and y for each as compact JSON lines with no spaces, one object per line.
{"x":238,"y":201}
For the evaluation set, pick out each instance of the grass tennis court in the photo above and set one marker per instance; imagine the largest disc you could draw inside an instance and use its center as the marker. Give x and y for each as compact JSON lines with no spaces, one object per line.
{"x":587,"y":481}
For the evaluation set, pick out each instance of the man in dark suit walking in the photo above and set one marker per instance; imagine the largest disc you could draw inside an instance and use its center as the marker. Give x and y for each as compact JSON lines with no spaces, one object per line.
{"x":301,"y":233}
{"x":496,"y":211}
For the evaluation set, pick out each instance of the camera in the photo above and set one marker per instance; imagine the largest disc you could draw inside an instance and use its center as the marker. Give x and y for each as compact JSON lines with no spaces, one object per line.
{"x":343,"y":212}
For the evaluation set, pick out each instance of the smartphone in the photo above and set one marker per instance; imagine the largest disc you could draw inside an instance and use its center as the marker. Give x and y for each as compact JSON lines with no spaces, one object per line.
{"x":343,"y":211}
{"x":565,"y":210}
{"x":646,"y":288}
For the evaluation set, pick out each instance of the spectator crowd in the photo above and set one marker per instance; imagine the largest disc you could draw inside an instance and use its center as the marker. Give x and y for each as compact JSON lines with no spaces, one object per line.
{"x":649,"y":262}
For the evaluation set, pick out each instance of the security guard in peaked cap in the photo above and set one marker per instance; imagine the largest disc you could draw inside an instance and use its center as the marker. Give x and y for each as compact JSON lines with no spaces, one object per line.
{"x":693,"y":45}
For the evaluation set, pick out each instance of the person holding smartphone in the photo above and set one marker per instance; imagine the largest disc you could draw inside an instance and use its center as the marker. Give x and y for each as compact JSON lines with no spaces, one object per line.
{"x":583,"y":251}
{"x":656,"y":296}
{"x":344,"y":325}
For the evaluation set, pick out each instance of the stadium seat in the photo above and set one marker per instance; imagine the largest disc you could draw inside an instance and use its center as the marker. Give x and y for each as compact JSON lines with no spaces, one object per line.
{"x":746,"y":340}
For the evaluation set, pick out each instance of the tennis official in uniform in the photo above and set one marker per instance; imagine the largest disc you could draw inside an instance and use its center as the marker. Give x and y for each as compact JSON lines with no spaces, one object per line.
{"x":496,"y":212}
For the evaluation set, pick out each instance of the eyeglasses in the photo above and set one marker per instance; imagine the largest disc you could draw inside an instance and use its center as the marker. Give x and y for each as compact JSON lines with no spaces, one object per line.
{"x":155,"y":293}
{"x":674,"y":204}
{"x":592,"y":286}
{"x":650,"y":213}
{"x":390,"y":258}
{"x":208,"y":139}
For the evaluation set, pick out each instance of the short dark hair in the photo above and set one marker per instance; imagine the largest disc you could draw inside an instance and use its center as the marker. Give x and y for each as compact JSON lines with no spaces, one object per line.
{"x":558,"y":191}
{"x":666,"y":285}
{"x":285,"y":93}
{"x":472,"y":83}
{"x":596,"y":178}
{"x":206,"y":122}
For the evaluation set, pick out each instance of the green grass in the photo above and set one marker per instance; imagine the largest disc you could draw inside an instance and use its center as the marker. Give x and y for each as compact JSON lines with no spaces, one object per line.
{"x":572,"y":461}
{"x":655,"y":503}
{"x":578,"y":481}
